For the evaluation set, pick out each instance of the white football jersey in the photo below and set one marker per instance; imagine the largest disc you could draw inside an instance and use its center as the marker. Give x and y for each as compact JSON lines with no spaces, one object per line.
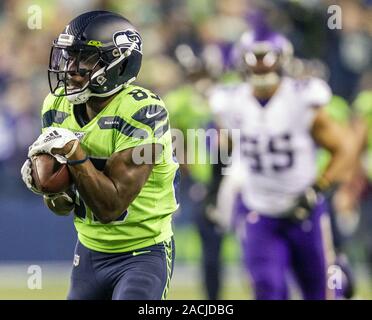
{"x":274,"y":145}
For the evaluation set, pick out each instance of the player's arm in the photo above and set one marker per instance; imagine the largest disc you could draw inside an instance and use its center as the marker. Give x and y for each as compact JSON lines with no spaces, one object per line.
{"x":339,"y":141}
{"x":109,"y":193}
{"x":360,"y":128}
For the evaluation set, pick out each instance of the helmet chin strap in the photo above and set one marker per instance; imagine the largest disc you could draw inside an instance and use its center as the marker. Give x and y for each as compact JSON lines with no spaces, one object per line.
{"x":83,"y":97}
{"x":261,"y":81}
{"x":79,"y":98}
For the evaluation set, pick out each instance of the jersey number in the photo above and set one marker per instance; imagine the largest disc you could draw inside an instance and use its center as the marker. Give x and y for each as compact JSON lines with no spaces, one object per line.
{"x":139,"y":95}
{"x":278,"y":148}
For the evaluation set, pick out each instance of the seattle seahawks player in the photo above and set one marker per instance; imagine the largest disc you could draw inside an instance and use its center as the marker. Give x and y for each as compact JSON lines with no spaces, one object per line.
{"x":115,"y":139}
{"x":283,"y":223}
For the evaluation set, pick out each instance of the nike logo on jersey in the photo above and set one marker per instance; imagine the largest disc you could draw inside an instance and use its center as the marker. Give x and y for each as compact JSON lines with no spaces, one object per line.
{"x":151,"y":115}
{"x":137,"y":253}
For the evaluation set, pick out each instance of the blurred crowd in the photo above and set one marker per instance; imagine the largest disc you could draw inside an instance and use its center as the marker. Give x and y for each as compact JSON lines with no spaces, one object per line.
{"x":165,"y":24}
{"x":341,"y":56}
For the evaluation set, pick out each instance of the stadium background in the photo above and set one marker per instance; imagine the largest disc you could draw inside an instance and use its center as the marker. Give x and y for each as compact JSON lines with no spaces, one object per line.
{"x":31,"y":235}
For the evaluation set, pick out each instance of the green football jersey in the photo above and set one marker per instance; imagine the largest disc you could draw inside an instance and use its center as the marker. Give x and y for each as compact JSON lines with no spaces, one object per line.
{"x":134,"y":117}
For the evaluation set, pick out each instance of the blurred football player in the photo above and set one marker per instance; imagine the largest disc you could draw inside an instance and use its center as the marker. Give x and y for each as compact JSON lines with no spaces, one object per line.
{"x":282,"y":222}
{"x":343,"y":200}
{"x":100,"y":124}
{"x":188,"y":109}
{"x":363,"y":175}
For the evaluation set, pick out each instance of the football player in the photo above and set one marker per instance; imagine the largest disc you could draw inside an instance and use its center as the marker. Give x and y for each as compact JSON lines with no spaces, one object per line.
{"x":283,"y":222}
{"x":115,"y":138}
{"x":363,"y":128}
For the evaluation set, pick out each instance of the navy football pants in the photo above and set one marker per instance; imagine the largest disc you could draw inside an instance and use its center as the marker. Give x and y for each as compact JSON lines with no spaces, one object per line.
{"x":140,"y":275}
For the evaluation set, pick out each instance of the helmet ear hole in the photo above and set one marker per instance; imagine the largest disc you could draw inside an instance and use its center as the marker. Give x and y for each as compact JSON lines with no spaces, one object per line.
{"x":106,"y":44}
{"x":116,"y":52}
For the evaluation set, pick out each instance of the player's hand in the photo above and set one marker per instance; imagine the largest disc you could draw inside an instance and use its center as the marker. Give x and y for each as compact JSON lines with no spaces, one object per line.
{"x":55,"y":141}
{"x":306,"y":202}
{"x":53,"y":197}
{"x":61,"y":203}
{"x":26,"y":171}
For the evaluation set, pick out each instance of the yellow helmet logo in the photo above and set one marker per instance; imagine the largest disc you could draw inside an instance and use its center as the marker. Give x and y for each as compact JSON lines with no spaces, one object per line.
{"x":95,"y":43}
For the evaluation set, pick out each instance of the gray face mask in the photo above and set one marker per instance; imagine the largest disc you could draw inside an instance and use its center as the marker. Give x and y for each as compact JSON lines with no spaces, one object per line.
{"x":261,"y":81}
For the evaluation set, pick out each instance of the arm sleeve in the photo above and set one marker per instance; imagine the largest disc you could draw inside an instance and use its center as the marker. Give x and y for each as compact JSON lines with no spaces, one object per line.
{"x":317,"y":93}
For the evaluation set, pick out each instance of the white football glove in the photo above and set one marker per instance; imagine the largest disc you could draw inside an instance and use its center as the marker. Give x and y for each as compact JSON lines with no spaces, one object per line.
{"x":52,"y":138}
{"x":64,"y":208}
{"x":53,"y":197}
{"x":27,"y":177}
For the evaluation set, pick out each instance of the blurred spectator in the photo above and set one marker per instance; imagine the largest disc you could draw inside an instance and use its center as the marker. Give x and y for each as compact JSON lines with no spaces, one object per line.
{"x":164,"y":25}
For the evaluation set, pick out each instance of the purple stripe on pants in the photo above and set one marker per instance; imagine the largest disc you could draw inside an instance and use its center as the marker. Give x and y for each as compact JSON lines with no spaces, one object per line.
{"x":273,"y":247}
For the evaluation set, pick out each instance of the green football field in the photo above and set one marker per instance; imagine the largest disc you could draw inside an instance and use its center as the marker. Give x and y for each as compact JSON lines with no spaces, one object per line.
{"x":186,"y":284}
{"x":15,"y":278}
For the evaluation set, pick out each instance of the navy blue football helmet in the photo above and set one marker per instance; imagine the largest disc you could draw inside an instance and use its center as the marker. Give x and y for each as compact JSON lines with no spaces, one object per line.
{"x":102,"y":47}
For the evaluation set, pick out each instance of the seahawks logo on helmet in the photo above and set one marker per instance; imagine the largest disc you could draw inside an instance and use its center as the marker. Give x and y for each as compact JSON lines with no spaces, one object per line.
{"x":126,"y":38}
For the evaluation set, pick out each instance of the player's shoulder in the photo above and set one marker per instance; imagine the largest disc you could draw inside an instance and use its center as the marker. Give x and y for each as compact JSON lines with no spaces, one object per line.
{"x":309,"y":86}
{"x":55,"y":110}
{"x":138,"y":96}
{"x":134,"y":98}
{"x":51,"y":102}
{"x":226,"y":89}
{"x":311,"y":90}
{"x":142,"y":105}
{"x":221,"y":96}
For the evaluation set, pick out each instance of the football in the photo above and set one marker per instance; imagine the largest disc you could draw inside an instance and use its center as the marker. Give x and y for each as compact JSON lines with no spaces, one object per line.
{"x":50,"y":176}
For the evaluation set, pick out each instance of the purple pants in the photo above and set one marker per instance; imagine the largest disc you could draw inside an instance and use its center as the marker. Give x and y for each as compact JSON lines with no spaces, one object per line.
{"x":272,"y":248}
